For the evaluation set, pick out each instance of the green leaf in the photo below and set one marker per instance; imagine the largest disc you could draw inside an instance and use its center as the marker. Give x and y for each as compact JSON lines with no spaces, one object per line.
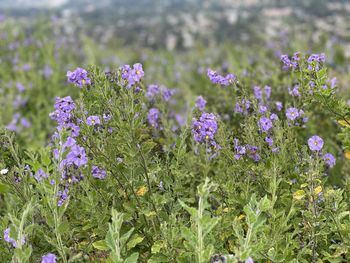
{"x":132,"y":258}
{"x":135,"y":240}
{"x":4,"y":188}
{"x":100,"y":245}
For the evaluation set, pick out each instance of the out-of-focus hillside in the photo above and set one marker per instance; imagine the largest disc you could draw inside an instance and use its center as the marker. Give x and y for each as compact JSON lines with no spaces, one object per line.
{"x":179,"y":24}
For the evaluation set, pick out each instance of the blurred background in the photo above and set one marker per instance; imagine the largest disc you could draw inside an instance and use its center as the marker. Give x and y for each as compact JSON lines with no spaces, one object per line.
{"x":183,"y":24}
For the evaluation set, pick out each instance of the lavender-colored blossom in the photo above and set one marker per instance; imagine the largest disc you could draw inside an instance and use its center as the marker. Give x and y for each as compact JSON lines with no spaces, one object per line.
{"x":288,"y":63}
{"x":78,"y":77}
{"x":93,"y":120}
{"x":257,"y":93}
{"x":107,"y":117}
{"x":40,"y":174}
{"x":265,"y":124}
{"x":76,"y":156}
{"x":153,"y":116}
{"x":273,"y":117}
{"x":315,"y":60}
{"x":132,"y":75}
{"x":62,"y":196}
{"x":152,"y":91}
{"x":329,"y":159}
{"x":279,"y":106}
{"x":269,"y":140}
{"x":295,"y":91}
{"x":168,"y":93}
{"x":215,"y":78}
{"x":292,"y":113}
{"x":48,"y":258}
{"x":262,"y":109}
{"x":98,"y":172}
{"x":8,"y":238}
{"x":267,"y":92}
{"x":200,"y":103}
{"x":315,"y":143}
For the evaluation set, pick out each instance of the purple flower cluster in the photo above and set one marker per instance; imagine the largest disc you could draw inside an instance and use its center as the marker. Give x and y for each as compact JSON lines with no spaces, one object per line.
{"x":133,"y":74}
{"x":215,"y":78}
{"x":258,"y":93}
{"x":315,"y":61}
{"x":62,"y":196}
{"x":153,"y":117}
{"x":153,"y":90}
{"x":48,"y":258}
{"x":242,"y":107}
{"x":315,"y":144}
{"x":98,"y":172}
{"x":248,"y":150}
{"x":63,"y":115}
{"x":205,"y":128}
{"x":290,"y":63}
{"x":78,"y":77}
{"x":296,"y":116}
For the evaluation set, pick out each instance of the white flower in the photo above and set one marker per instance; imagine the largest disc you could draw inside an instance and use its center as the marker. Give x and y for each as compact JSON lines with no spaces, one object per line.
{"x":4,"y":171}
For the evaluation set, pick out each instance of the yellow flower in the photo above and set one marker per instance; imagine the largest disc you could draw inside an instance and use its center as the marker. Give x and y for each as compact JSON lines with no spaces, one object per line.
{"x":141,"y":191}
{"x":298,"y":195}
{"x":347,"y":154}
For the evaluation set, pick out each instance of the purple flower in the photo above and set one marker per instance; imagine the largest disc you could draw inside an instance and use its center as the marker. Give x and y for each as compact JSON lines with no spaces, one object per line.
{"x":132,"y":75}
{"x":40,"y":174}
{"x":288,"y":63}
{"x":269,"y":140}
{"x":273,"y":117}
{"x":200,"y":103}
{"x":9,"y":239}
{"x":93,"y":120}
{"x":168,"y":93}
{"x":98,"y":173}
{"x":329,"y":159}
{"x":292,"y":113}
{"x":153,"y":116}
{"x":265,"y":124}
{"x":48,"y":258}
{"x":279,"y":105}
{"x":107,"y":117}
{"x":205,"y":128}
{"x":262,"y":109}
{"x":62,"y":195}
{"x":314,"y":61}
{"x":215,"y":78}
{"x":257,"y":93}
{"x":76,"y":156}
{"x":267,"y":92}
{"x":79,"y":77}
{"x":152,"y":91}
{"x":295,"y":91}
{"x":315,"y":143}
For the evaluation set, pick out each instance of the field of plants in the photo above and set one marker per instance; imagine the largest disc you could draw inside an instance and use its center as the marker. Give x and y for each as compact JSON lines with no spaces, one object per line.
{"x":232,"y":153}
